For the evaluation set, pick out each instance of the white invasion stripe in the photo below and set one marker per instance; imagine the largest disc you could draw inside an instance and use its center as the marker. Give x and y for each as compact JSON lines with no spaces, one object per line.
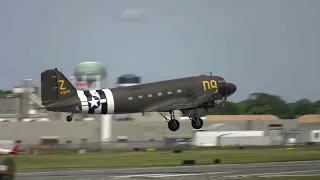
{"x":110,"y":100}
{"x":84,"y":101}
{"x":95,"y":93}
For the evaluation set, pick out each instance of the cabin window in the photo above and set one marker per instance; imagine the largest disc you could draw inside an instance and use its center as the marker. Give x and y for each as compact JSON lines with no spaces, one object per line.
{"x":150,"y":95}
{"x":169,"y":92}
{"x":179,"y":91}
{"x":130,"y":98}
{"x":140,"y":96}
{"x":160,"y":94}
{"x":316,"y":135}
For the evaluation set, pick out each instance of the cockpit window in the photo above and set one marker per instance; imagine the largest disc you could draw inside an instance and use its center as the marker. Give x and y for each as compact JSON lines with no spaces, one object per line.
{"x":222,"y":81}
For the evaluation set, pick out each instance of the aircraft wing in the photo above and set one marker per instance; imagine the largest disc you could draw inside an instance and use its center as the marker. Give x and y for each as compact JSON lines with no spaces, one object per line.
{"x":193,"y":101}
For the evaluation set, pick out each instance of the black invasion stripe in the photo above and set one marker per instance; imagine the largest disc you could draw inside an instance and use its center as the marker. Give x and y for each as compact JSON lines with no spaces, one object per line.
{"x":89,"y":97}
{"x":104,"y":106}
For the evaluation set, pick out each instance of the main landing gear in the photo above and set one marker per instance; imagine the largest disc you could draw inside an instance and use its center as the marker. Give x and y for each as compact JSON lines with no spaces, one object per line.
{"x":69,"y":118}
{"x":173,"y":124}
{"x":196,"y":121}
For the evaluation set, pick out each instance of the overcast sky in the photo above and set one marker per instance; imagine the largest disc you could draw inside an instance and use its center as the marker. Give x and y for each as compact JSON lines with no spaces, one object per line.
{"x":268,"y":46}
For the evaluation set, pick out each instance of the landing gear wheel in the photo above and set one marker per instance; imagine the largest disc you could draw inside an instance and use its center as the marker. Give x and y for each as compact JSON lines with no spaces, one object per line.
{"x":69,"y":118}
{"x":173,"y":125}
{"x":197,"y":124}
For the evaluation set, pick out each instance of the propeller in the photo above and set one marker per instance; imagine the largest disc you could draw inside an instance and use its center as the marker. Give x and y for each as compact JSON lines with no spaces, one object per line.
{"x":224,"y":99}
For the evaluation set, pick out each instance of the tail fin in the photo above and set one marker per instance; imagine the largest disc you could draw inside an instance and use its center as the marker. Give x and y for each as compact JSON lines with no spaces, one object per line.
{"x":15,"y":149}
{"x":55,"y":87}
{"x":7,"y":168}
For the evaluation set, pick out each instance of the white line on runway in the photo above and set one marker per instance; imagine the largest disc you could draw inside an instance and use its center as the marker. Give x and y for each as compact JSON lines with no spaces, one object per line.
{"x":166,"y":175}
{"x":277,"y":173}
{"x":292,"y":175}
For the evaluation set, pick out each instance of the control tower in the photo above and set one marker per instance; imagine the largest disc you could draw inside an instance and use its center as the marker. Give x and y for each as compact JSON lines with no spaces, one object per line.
{"x":128,"y":80}
{"x":91,"y":76}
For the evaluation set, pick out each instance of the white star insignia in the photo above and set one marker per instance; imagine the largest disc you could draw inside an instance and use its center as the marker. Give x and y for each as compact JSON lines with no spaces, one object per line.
{"x":94,"y":102}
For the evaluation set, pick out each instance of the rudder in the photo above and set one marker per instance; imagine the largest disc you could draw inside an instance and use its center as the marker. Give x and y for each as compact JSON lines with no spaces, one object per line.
{"x":55,"y":87}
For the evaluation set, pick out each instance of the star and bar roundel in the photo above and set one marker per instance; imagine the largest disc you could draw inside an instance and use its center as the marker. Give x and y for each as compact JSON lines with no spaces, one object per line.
{"x":97,"y":102}
{"x":93,"y":102}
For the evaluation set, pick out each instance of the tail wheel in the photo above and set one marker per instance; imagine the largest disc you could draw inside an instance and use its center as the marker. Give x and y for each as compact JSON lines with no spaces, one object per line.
{"x":197,"y":124}
{"x":69,"y":118}
{"x":173,"y":125}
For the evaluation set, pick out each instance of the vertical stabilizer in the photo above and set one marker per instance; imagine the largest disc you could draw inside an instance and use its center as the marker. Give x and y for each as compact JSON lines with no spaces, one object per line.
{"x":55,"y":87}
{"x":15,"y":149}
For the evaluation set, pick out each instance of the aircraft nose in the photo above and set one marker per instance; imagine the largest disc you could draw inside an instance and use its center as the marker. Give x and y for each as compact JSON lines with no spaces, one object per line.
{"x":232,"y":88}
{"x":228,"y":89}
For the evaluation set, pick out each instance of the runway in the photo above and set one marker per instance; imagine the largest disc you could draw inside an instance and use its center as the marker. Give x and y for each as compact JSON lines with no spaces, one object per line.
{"x":201,"y":172}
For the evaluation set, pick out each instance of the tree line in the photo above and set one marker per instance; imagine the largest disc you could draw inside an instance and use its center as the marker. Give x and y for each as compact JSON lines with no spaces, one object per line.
{"x":263,"y":103}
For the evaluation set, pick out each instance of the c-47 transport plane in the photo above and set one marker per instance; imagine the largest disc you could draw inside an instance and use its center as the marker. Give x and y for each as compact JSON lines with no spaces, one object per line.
{"x":184,"y":94}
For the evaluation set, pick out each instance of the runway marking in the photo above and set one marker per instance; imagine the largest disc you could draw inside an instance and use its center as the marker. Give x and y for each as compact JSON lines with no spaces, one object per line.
{"x":167,"y":175}
{"x":292,"y":175}
{"x":277,"y":173}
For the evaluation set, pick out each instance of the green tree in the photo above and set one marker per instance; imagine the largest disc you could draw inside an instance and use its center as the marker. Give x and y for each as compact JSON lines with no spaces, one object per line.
{"x":5,"y":91}
{"x":316,"y":105}
{"x":263,"y":103}
{"x":303,"y":107}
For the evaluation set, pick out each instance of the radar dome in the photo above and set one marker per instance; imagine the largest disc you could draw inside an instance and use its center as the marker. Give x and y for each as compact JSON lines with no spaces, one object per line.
{"x":90,"y":70}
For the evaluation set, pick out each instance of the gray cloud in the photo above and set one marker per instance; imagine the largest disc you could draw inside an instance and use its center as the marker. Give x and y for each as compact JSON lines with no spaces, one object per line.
{"x":132,"y":14}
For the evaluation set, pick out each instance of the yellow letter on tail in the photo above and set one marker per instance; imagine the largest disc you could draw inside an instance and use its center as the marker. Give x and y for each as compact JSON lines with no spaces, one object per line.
{"x":63,"y":90}
{"x":62,"y":85}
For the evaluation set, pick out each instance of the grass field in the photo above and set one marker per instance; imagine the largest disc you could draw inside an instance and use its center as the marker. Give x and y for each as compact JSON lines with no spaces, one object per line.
{"x":161,"y":158}
{"x":94,"y":148}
